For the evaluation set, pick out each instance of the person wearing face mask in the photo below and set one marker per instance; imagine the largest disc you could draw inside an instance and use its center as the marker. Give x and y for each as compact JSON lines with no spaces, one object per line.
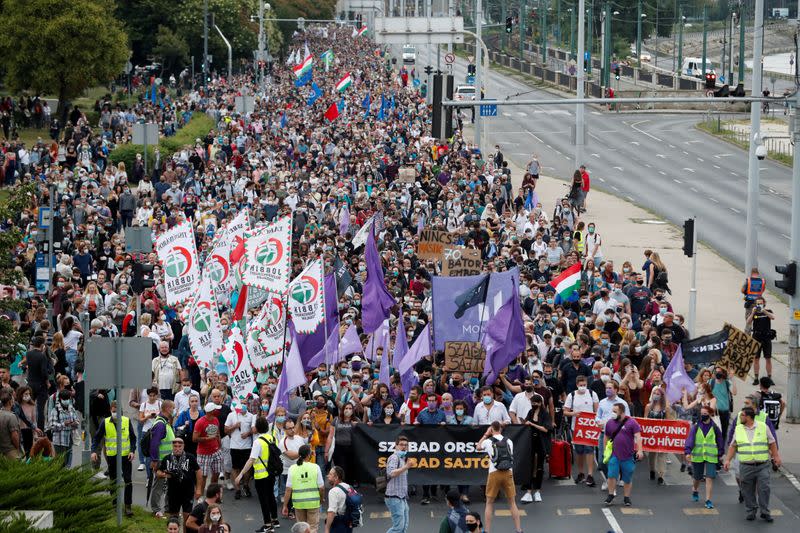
{"x":605,"y":412}
{"x":166,"y":371}
{"x":573,"y":367}
{"x":184,"y":394}
{"x":388,"y":413}
{"x":625,"y":436}
{"x":582,"y":400}
{"x":240,"y":428}
{"x":489,"y":410}
{"x":185,"y":421}
{"x":213,"y":522}
{"x":704,"y":448}
{"x":396,"y":496}
{"x":61,"y":421}
{"x":322,"y":422}
{"x":658,"y":408}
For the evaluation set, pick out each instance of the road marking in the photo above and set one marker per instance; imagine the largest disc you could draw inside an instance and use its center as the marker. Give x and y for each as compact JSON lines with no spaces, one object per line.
{"x":506,"y":114}
{"x":563,"y":483}
{"x":734,"y":173}
{"x":382,"y":514}
{"x":558,"y":152}
{"x":618,"y":168}
{"x":549,"y":146}
{"x":535,"y":137}
{"x":507,"y":512}
{"x":636,"y":511}
{"x":700,"y":159}
{"x":719,"y":156}
{"x":713,"y":200}
{"x":574,"y":511}
{"x":635,"y":143}
{"x":717,"y":167}
{"x":693,"y":189}
{"x":644,"y":132}
{"x":662,"y":172}
{"x":615,"y":188}
{"x":672,"y":146}
{"x":685,"y":152}
{"x":734,"y":210}
{"x":602,"y":179}
{"x":612,"y":521}
{"x":676,"y":180}
{"x":688,"y":170}
{"x":596,"y":113}
{"x":630,"y":198}
{"x":694,"y":511}
{"x":786,"y":236}
{"x":792,"y":479}
{"x":662,"y":156}
{"x":522,"y":113}
{"x":648,"y":165}
{"x":596,"y":155}
{"x":692,"y":142}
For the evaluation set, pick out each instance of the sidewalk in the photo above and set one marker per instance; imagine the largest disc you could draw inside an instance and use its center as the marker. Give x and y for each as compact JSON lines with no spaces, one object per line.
{"x":627,"y":230}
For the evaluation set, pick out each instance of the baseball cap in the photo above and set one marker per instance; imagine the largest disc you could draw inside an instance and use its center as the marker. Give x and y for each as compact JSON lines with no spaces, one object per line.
{"x":211,"y":406}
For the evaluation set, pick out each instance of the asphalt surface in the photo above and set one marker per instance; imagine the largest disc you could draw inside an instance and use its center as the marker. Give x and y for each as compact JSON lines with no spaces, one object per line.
{"x":660,"y":162}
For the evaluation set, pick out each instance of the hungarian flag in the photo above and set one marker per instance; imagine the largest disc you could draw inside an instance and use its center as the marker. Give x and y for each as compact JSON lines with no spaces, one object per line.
{"x":568,"y":282}
{"x":361,"y":31}
{"x":344,"y":83}
{"x":332,"y":112}
{"x":304,"y":66}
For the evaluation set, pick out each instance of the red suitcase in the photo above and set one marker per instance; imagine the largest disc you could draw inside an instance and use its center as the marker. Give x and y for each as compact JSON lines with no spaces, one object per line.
{"x":560,"y":465}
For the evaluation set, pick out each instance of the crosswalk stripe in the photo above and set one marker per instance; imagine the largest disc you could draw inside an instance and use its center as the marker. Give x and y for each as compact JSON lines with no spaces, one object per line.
{"x":574,"y":511}
{"x":382,"y":514}
{"x":694,"y":511}
{"x":507,"y":512}
{"x":636,"y":511}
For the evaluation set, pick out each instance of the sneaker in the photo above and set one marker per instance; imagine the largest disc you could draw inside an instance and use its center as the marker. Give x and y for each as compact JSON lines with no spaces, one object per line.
{"x":276,"y":524}
{"x":537,"y":496}
{"x":683,"y":467}
{"x":750,"y":517}
{"x":695,"y":496}
{"x":709,"y":505}
{"x":609,"y":499}
{"x":590,"y":481}
{"x":237,"y":495}
{"x":604,"y":486}
{"x":526,"y":498}
{"x":247,"y":493}
{"x":755,"y":382}
{"x":660,"y":480}
{"x":425,"y":501}
{"x":627,"y":501}
{"x":652,"y":475}
{"x":579,"y":479}
{"x":229,"y":485}
{"x":767,"y":518}
{"x":741,"y":497}
{"x":140,"y":468}
{"x":265,"y":529}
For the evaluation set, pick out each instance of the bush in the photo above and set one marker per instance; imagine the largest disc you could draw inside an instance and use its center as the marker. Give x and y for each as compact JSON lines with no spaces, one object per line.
{"x":198,"y":126}
{"x":79,"y":503}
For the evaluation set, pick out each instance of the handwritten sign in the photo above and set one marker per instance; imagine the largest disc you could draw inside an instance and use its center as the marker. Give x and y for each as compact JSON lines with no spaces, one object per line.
{"x":461,"y":262}
{"x":740,"y":351}
{"x":406,"y":175}
{"x":432,"y":243}
{"x":464,"y":356}
{"x":662,"y":436}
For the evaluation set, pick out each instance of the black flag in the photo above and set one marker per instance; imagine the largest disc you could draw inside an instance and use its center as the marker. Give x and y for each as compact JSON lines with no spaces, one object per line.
{"x":474,"y":296}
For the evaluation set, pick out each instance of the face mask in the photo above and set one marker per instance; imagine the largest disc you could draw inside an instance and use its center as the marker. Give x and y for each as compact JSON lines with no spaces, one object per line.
{"x":591,"y":230}
{"x":662,"y":311}
{"x":581,"y":388}
{"x":389,"y":411}
{"x":605,"y":378}
{"x":604,"y":342}
{"x":307,"y":423}
{"x":412,"y":319}
{"x":215,"y":517}
{"x":323,"y":374}
{"x":402,"y":453}
{"x":326,"y":388}
{"x":720,"y":375}
{"x":265,"y":408}
{"x":595,"y":371}
{"x":123,"y":292}
{"x":610,"y":393}
{"x":656,"y":397}
{"x":487,"y":400}
{"x":280,"y":419}
{"x":66,"y":403}
{"x":473,"y":527}
{"x":273,"y":386}
{"x":705,"y":418}
{"x":677,"y":321}
{"x":187,"y":390}
{"x":536,"y":382}
{"x":459,"y":412}
{"x":512,"y":366}
{"x":26,"y":398}
{"x":619,"y":416}
{"x":344,"y":371}
{"x":473,"y":381}
{"x":114,"y":415}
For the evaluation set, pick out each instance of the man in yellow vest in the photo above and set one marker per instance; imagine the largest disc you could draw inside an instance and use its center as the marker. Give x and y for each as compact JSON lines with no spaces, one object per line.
{"x":106,"y":437}
{"x":755,"y":444}
{"x":264,"y":482}
{"x":305,"y":488}
{"x":704,"y":448}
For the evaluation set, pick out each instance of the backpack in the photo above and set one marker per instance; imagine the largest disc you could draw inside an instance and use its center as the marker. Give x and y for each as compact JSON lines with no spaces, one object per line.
{"x":353,"y":506}
{"x":501,"y":454}
{"x":274,"y":464}
{"x":148,"y":436}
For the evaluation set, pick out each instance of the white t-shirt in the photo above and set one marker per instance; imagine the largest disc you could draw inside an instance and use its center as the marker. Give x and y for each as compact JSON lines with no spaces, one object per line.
{"x":581,"y":403}
{"x":71,"y":339}
{"x":485,"y":416}
{"x":147,"y":408}
{"x":520,"y":405}
{"x":336,"y":499}
{"x":167,"y":370}
{"x":488,"y":447}
{"x":293,"y":445}
{"x":242,"y":421}
{"x":320,"y":482}
{"x":182,"y":400}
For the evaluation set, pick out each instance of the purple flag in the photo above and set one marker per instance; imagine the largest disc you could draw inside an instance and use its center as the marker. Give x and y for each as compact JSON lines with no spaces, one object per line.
{"x":344,"y":220}
{"x":504,"y":338}
{"x":350,"y":342}
{"x":418,"y":350}
{"x":312,"y":345}
{"x":677,"y":379}
{"x":378,"y":339}
{"x":292,"y":374}
{"x":376,"y":301}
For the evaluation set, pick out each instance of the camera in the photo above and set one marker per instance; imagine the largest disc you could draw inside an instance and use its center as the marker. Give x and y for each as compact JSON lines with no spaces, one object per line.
{"x":761,"y":152}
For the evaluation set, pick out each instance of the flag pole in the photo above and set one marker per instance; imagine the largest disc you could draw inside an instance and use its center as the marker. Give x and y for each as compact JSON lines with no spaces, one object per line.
{"x":285,"y":295}
{"x":483,"y":309}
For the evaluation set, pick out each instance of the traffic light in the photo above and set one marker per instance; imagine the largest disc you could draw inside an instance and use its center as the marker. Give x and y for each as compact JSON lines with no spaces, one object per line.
{"x":789,"y":281}
{"x":471,"y":69}
{"x":428,"y":70}
{"x":585,"y":65}
{"x":142,"y":278}
{"x":616,"y":73}
{"x":509,"y":23}
{"x":711,"y":80}
{"x":688,"y":237}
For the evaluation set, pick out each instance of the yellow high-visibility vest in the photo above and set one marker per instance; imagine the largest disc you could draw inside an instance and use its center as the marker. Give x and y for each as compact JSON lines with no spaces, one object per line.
{"x":305,"y":492}
{"x":756,"y":451}
{"x":111,"y":437}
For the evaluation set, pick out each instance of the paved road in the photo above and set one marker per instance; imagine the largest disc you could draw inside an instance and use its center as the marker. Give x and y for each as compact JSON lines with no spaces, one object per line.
{"x":658,"y":161}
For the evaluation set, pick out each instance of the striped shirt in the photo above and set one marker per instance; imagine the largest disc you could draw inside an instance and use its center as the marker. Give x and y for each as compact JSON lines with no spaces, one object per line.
{"x":396,"y":486}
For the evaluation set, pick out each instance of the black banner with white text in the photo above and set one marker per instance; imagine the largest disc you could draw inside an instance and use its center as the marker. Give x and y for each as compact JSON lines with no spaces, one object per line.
{"x":445,"y":455}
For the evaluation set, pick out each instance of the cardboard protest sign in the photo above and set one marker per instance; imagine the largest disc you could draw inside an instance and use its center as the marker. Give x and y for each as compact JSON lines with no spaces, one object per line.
{"x":464,"y":356}
{"x":432,"y":243}
{"x":740,"y":351}
{"x":461,"y":262}
{"x":406,"y":175}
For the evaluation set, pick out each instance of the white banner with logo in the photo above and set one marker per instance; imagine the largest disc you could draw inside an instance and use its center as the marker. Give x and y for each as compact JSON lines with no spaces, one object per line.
{"x":241,"y":377}
{"x":268,"y":252}
{"x":205,"y":330}
{"x":178,"y":255}
{"x":307,"y":298}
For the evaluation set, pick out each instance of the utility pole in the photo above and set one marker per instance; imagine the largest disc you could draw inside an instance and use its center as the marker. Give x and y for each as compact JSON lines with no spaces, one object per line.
{"x":741,"y":42}
{"x":639,"y":34}
{"x":705,"y":42}
{"x":505,"y":36}
{"x":590,"y":44}
{"x":260,"y":57}
{"x":523,"y":20}
{"x":544,"y":33}
{"x":558,"y":23}
{"x":205,"y":49}
{"x":793,"y":384}
{"x":753,"y":177}
{"x":603,"y":49}
{"x":581,"y":88}
{"x":572,"y":32}
{"x":452,"y":13}
{"x":680,"y":39}
{"x":478,"y":69}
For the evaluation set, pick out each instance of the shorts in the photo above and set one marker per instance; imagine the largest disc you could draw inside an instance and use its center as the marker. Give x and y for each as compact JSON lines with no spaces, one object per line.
{"x":621,"y":469}
{"x":210,"y":464}
{"x":704,"y":469}
{"x":239,"y":458}
{"x":501,"y":480}
{"x":766,"y":349}
{"x":582,"y":449}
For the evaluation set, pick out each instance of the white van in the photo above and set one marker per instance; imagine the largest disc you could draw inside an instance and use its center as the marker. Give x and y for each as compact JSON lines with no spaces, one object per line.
{"x":693,"y":66}
{"x":409,"y":54}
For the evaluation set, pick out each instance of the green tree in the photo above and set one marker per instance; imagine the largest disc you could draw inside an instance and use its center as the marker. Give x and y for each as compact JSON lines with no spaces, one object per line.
{"x":171,"y":49}
{"x":62,"y":47}
{"x":142,"y":20}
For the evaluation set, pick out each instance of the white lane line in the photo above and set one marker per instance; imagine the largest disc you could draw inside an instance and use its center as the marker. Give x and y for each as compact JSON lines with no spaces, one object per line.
{"x":648,"y":165}
{"x":549,"y":146}
{"x":676,"y":181}
{"x":633,"y":125}
{"x":615,"y":188}
{"x":792,"y":479}
{"x":734,"y":210}
{"x":693,"y":189}
{"x":612,"y":521}
{"x":662,"y":172}
{"x":602,"y":179}
{"x":786,"y":236}
{"x":713,"y":200}
{"x":618,"y":168}
{"x":630,"y":198}
{"x":717,"y":167}
{"x":685,"y":152}
{"x":700,"y":159}
{"x":596,"y":155}
{"x":662,"y":156}
{"x":535,"y":137}
{"x":522,"y":113}
{"x":734,"y":173}
{"x":596,"y":113}
{"x":506,"y":114}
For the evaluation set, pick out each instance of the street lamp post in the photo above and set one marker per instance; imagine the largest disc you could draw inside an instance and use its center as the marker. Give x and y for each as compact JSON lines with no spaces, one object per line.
{"x":523,"y":21}
{"x":590,"y":41}
{"x":681,"y":22}
{"x":639,"y":17}
{"x":705,"y":41}
{"x":741,"y":42}
{"x":205,"y":43}
{"x":753,"y":172}
{"x":571,"y":32}
{"x":544,"y":34}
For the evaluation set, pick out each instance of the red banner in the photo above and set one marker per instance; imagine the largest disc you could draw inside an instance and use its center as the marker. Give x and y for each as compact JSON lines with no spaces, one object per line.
{"x":666,"y":436}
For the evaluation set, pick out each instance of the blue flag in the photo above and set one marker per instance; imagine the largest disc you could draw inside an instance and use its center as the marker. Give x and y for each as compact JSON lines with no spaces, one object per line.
{"x":153,"y":94}
{"x":283,"y":119}
{"x":365,"y":103}
{"x":304,"y":79}
{"x":340,"y":105}
{"x":315,"y":96}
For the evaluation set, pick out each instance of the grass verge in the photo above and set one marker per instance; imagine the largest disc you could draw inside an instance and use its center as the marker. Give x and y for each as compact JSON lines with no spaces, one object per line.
{"x":711,"y":128}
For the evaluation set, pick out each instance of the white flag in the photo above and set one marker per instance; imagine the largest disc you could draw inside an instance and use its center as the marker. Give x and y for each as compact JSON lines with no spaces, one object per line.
{"x":235,"y":233}
{"x":261,"y":336}
{"x":268,"y":253}
{"x":205,"y":330}
{"x":218,"y":266}
{"x":178,"y":255}
{"x":290,"y":59}
{"x":274,"y":338}
{"x":240,"y":373}
{"x":360,"y":238}
{"x":307,"y":298}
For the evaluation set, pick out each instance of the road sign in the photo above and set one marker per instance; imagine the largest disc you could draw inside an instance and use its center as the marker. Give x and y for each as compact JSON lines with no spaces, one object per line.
{"x":138,"y":239}
{"x":449,"y":58}
{"x":44,"y":217}
{"x":145,"y":133}
{"x":135,"y":358}
{"x":470,"y":80}
{"x":488,"y":110}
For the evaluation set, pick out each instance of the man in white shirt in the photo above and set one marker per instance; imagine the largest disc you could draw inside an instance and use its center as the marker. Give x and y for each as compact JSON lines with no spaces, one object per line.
{"x":183,"y":395}
{"x":489,"y":411}
{"x":582,"y":400}
{"x":166,"y":370}
{"x":337,"y":497}
{"x":499,"y":479}
{"x":289,"y":446}
{"x":240,"y":428}
{"x":521,"y":404}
